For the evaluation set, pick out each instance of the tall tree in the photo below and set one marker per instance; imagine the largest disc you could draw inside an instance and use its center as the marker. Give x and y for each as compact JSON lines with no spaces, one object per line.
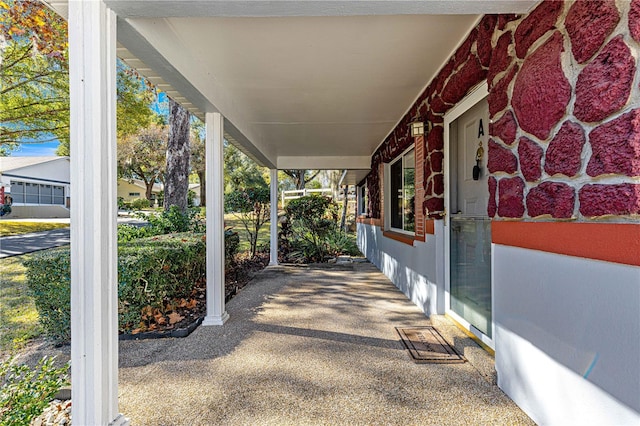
{"x":301,"y":177}
{"x":198,"y":161}
{"x":142,"y":155}
{"x":34,"y":75}
{"x":241,"y":172}
{"x":176,"y":184}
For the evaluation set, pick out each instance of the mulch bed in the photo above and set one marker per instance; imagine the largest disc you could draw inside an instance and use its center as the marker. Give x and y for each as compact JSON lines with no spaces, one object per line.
{"x":186,"y":315}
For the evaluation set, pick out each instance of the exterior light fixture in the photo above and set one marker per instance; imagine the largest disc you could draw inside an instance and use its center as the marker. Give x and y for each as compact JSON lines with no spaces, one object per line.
{"x":417,"y":128}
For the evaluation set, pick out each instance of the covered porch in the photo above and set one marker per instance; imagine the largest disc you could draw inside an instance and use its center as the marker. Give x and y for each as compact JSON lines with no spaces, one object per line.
{"x":294,"y":85}
{"x":533,"y":104}
{"x":310,"y":346}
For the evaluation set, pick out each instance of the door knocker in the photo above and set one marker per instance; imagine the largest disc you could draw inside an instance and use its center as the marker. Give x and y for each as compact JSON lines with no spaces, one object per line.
{"x":479,"y":155}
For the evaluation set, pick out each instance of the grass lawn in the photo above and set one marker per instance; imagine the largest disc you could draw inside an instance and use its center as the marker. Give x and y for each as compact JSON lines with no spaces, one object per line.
{"x":14,"y":227}
{"x":18,"y":314}
{"x":231,"y":220}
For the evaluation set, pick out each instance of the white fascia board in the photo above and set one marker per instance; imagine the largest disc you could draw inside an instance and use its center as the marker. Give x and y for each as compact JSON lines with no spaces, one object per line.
{"x":324,"y":163}
{"x":283,"y":8}
{"x":354,"y":176}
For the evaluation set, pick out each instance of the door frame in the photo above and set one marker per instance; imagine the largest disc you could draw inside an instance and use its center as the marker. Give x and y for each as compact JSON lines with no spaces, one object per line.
{"x":477,"y":94}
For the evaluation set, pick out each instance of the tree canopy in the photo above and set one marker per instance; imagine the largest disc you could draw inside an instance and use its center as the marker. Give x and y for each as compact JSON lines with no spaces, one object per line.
{"x":301,"y":177}
{"x":240,"y":171}
{"x":141,"y":155}
{"x":34,"y":75}
{"x":135,"y":96}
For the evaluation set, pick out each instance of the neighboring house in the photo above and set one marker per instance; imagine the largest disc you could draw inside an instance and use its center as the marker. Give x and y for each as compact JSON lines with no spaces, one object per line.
{"x":39,"y":186}
{"x":195,"y":187}
{"x":132,"y":189}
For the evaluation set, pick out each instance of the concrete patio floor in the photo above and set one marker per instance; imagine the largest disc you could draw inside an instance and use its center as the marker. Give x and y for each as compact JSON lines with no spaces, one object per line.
{"x":310,"y":346}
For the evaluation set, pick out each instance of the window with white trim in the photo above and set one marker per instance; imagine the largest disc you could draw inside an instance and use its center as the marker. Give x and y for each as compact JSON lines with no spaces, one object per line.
{"x":400,"y":193}
{"x":363,"y":199}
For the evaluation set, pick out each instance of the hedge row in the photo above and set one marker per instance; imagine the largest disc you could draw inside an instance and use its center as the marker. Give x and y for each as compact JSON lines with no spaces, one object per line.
{"x":151,"y":272}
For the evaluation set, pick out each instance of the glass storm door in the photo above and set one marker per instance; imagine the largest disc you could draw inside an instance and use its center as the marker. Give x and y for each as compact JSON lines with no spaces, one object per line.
{"x":470,"y":229}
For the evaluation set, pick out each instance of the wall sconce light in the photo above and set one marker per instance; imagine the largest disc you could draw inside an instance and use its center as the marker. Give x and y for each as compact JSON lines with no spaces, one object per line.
{"x":417,"y":128}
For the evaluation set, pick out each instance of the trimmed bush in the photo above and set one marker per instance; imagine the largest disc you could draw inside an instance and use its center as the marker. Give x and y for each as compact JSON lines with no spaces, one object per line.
{"x":152,"y":272}
{"x":49,"y":276}
{"x":155,"y":271}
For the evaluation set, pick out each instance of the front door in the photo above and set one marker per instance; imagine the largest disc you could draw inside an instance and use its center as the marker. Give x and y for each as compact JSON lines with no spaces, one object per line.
{"x":470,"y":229}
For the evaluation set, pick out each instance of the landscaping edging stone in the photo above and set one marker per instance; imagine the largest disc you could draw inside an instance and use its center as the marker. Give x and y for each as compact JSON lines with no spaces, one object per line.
{"x":180,"y":332}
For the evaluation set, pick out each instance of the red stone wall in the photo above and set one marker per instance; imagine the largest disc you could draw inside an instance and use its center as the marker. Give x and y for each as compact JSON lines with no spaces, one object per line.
{"x":564,"y":100}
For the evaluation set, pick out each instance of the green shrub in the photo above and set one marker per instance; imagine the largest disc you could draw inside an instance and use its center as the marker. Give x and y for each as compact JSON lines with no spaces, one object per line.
{"x":140,"y":203}
{"x":231,"y":244}
{"x":26,"y":392}
{"x":309,"y":231}
{"x":151,"y":272}
{"x":339,"y":242}
{"x":166,"y":222}
{"x":310,"y":219}
{"x":128,"y":232}
{"x":154,"y":271}
{"x":191,"y":198}
{"x":48,"y":277}
{"x":174,"y":220}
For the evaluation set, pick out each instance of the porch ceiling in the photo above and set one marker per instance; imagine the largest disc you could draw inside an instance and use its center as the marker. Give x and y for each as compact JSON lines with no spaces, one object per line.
{"x":301,"y":84}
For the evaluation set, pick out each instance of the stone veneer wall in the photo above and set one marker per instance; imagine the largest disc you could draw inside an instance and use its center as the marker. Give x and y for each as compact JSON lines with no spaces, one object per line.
{"x":564,"y":103}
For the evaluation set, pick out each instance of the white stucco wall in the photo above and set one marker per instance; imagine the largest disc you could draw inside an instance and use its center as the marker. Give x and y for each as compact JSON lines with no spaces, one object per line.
{"x":412,"y":268}
{"x":568,"y":337}
{"x":567,"y":329}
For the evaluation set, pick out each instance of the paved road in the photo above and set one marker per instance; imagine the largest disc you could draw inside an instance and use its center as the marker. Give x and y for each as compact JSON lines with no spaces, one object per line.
{"x":26,"y":243}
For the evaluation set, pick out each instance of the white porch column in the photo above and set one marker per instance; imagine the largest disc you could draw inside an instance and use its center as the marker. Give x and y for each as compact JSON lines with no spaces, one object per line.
{"x":273,"y":242}
{"x":216,"y":313}
{"x":94,"y":292}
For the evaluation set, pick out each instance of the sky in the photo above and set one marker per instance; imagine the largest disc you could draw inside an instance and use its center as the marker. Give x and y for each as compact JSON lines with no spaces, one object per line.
{"x":44,"y":149}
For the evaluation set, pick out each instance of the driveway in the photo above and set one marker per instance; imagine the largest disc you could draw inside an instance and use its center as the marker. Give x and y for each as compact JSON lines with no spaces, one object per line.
{"x":310,"y":346}
{"x":26,"y":243}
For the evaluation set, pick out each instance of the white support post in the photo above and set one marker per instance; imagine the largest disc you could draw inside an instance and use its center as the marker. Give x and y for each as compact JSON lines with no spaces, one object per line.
{"x":273,"y":242}
{"x":94,"y":292}
{"x":216,"y":313}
